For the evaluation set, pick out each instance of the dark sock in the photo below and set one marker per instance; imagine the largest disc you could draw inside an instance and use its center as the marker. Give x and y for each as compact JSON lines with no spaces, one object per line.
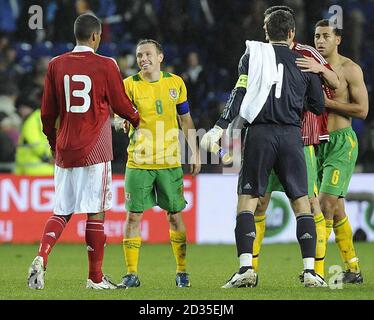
{"x":306,"y":235}
{"x":310,"y":271}
{"x":244,"y":269}
{"x":245,"y":232}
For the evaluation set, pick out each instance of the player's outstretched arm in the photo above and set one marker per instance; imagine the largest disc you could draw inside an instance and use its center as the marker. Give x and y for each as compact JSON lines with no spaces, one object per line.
{"x":358,"y":107}
{"x":330,"y":77}
{"x":118,"y":99}
{"x":189,"y":131}
{"x":309,"y":64}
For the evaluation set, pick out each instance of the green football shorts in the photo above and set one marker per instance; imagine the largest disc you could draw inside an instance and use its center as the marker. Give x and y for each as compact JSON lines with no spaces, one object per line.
{"x":145,"y":189}
{"x":311,"y":168}
{"x":336,"y":162}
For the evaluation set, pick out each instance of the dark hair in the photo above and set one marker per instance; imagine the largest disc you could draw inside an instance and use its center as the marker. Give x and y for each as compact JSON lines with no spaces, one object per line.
{"x":272,"y":9}
{"x":85,"y":25}
{"x":326,"y":23}
{"x":280,"y":22}
{"x":31,"y":97}
{"x":154,"y":42}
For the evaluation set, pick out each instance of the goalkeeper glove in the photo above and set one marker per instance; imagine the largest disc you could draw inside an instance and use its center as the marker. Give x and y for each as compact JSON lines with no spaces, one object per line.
{"x":118,"y":123}
{"x":211,"y":138}
{"x":121,"y":124}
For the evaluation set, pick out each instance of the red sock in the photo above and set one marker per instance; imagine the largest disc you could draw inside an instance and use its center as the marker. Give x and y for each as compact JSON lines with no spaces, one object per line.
{"x":95,"y":240}
{"x":52,"y":231}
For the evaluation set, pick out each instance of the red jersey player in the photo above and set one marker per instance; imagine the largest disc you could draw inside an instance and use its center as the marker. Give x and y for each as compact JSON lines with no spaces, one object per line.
{"x":314,"y":130}
{"x":80,"y":89}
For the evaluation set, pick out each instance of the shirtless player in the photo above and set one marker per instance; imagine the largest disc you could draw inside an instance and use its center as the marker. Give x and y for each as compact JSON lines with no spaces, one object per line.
{"x":336,"y":159}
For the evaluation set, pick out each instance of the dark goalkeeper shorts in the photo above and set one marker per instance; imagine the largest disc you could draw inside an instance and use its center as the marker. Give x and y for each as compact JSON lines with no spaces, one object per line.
{"x":277,"y":147}
{"x":311,"y":169}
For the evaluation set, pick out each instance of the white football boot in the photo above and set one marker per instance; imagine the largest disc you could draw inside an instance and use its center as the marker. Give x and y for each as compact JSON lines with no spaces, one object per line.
{"x":246,"y":279}
{"x":313,"y":280}
{"x":105,"y":284}
{"x":36,"y":274}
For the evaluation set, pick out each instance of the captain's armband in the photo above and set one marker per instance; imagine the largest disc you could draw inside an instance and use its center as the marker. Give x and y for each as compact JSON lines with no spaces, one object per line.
{"x":242,"y":81}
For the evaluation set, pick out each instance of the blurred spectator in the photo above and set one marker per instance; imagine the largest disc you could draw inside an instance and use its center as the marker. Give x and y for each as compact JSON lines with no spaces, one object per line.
{"x":28,"y":101}
{"x":7,"y":147}
{"x":9,"y":69}
{"x":127,"y":65}
{"x":35,"y":79}
{"x":33,"y":154}
{"x":8,"y":96}
{"x":196,"y":82}
{"x":4,"y":41}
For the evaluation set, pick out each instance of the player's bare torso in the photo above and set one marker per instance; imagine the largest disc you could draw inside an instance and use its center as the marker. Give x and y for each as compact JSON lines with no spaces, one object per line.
{"x":338,"y":121}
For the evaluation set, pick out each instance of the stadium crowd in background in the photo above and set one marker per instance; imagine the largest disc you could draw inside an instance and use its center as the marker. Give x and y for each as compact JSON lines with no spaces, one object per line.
{"x":202,"y":42}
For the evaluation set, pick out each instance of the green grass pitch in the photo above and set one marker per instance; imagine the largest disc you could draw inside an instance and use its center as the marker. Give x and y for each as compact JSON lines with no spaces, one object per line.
{"x":209,"y":267}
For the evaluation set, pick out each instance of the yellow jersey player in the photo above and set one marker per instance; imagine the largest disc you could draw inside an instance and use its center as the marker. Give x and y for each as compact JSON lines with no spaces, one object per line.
{"x":336,"y":159}
{"x":154,"y":174}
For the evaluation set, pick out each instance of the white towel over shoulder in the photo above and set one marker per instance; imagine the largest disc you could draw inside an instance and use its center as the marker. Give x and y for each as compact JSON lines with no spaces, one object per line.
{"x":262,"y":74}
